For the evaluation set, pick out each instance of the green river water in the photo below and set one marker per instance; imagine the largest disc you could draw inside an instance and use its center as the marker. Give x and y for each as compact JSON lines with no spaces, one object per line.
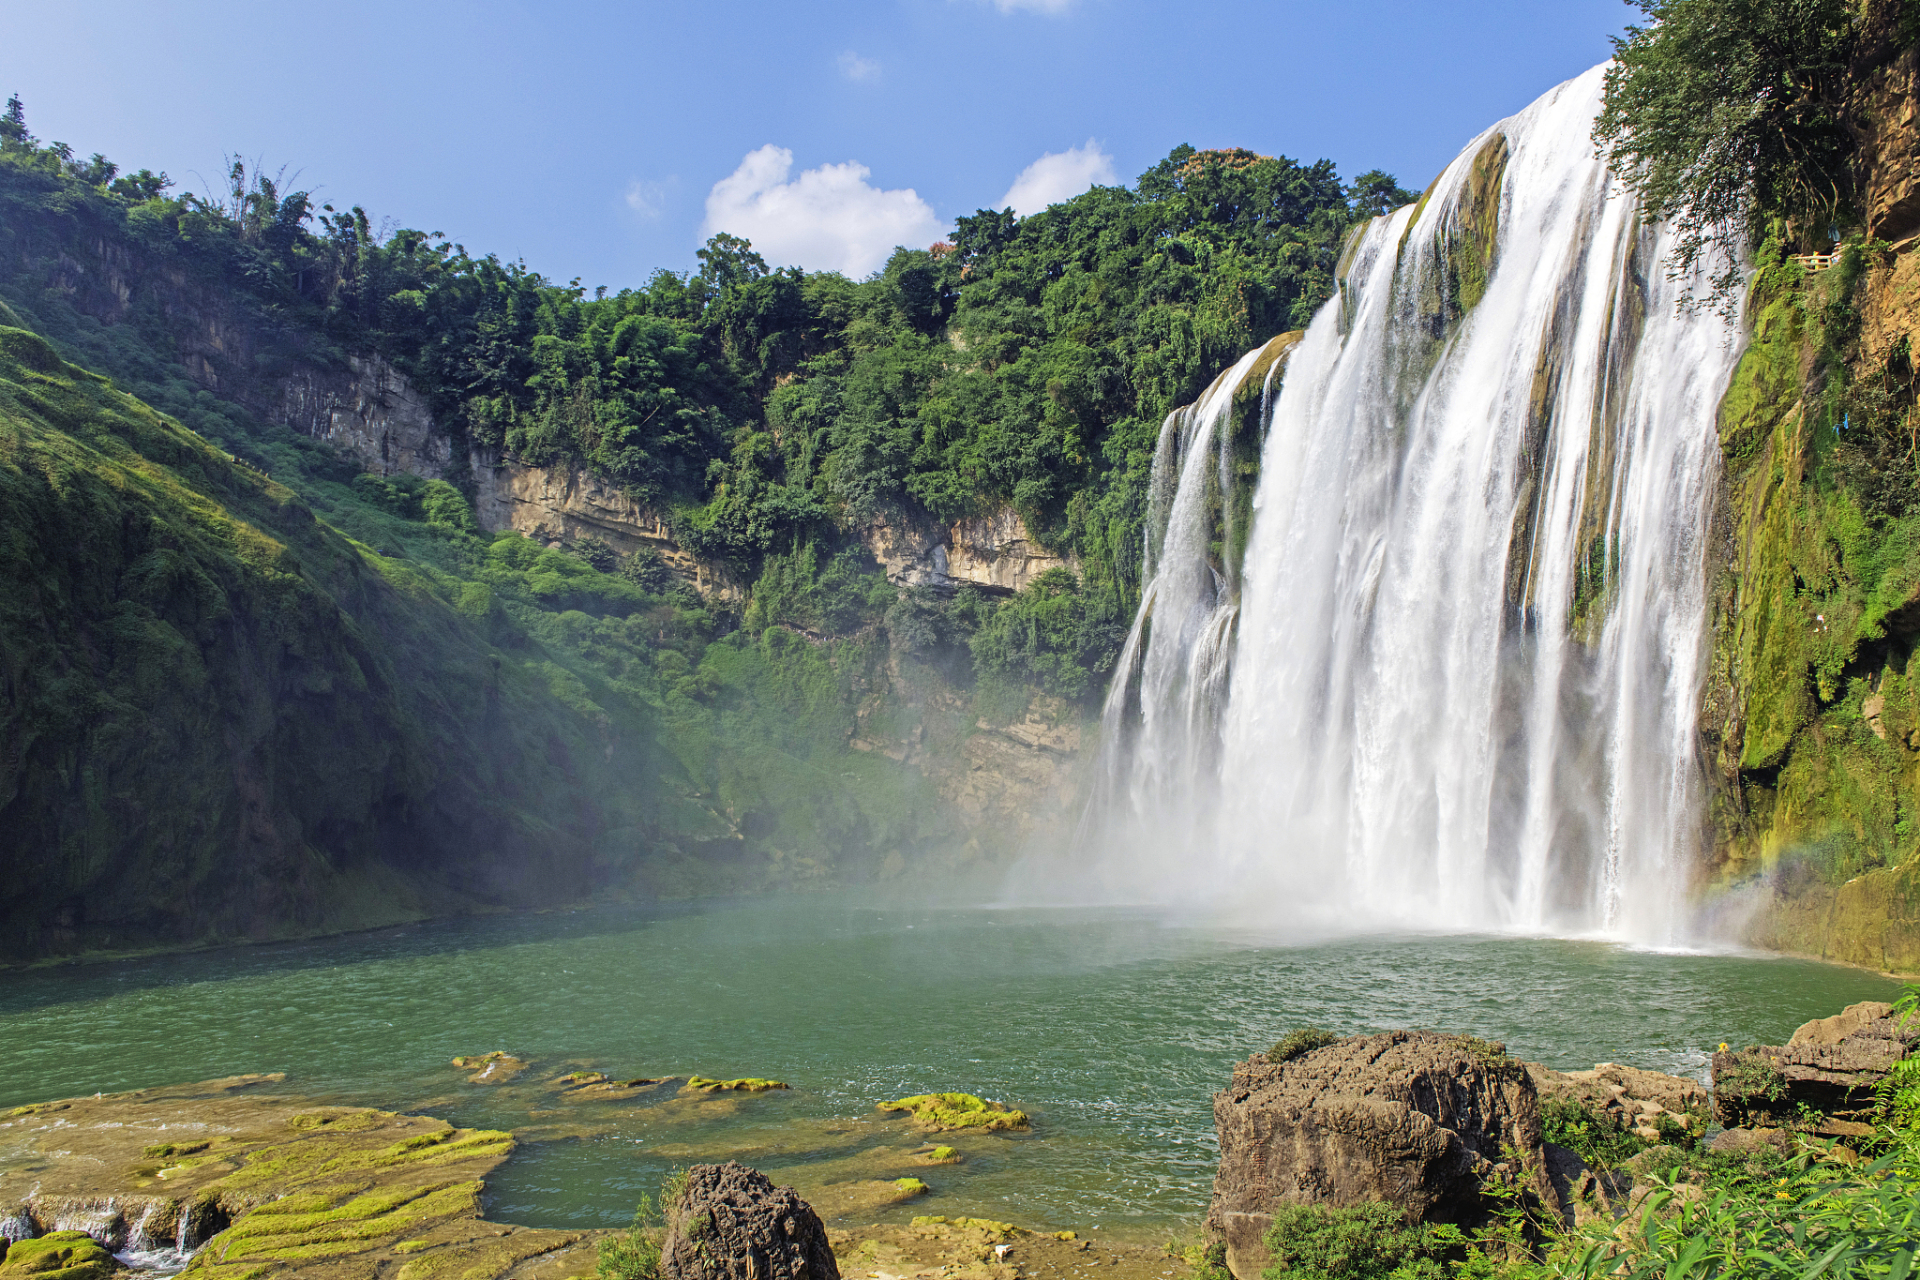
{"x":1112,"y":1028}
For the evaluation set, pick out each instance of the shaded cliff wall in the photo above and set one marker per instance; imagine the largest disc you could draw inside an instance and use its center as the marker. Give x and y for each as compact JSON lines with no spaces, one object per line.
{"x":221,"y":719}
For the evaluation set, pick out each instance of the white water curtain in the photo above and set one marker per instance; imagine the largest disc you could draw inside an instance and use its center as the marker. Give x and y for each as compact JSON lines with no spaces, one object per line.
{"x":1458,"y":688}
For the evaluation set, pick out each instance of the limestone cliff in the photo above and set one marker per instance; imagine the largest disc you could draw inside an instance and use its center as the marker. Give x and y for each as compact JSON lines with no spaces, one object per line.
{"x":994,"y":551}
{"x":566,"y":502}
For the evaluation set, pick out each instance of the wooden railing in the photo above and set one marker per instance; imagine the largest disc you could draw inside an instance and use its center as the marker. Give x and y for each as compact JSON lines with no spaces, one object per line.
{"x":1814,"y":261}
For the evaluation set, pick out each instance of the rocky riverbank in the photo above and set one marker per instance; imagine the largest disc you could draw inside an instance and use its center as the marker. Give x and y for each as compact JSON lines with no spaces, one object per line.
{"x":239,"y":1178}
{"x":1449,"y":1129}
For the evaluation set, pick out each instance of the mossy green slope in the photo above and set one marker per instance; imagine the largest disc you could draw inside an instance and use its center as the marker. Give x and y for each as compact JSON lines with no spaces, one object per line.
{"x":221,"y":716}
{"x":1810,"y":712}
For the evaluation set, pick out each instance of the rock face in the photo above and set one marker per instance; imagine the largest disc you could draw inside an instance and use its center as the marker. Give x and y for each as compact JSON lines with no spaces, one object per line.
{"x":731,"y":1223}
{"x":1636,"y":1098}
{"x":1890,"y":147}
{"x":1851,"y":1020}
{"x":1831,"y":1065}
{"x":1412,"y":1117}
{"x":994,"y":551}
{"x":372,"y":412}
{"x":566,"y":503}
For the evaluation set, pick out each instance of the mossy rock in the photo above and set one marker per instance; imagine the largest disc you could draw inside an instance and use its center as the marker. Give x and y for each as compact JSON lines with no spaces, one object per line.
{"x":168,"y":1150}
{"x":943,"y":1111}
{"x":941,"y":1155}
{"x":912,"y":1186}
{"x":61,"y":1255}
{"x":746,"y":1084}
{"x":994,"y":1230}
{"x":573,"y":1078}
{"x":497,"y":1067}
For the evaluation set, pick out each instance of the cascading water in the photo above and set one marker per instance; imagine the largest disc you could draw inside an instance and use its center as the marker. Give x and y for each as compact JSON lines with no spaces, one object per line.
{"x":1453,"y":682}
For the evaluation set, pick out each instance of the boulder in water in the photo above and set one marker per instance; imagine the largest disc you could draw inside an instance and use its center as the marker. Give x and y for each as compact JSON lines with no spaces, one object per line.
{"x":732,"y":1223}
{"x":497,"y":1067}
{"x":939,"y":1112}
{"x":1414,"y":1118}
{"x":745,"y":1084}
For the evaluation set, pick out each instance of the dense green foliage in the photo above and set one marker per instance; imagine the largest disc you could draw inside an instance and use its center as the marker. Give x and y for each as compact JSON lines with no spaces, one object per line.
{"x":242,"y":706}
{"x":1369,"y":1241}
{"x":1814,"y":1214}
{"x":1028,"y":363}
{"x":1722,"y":113}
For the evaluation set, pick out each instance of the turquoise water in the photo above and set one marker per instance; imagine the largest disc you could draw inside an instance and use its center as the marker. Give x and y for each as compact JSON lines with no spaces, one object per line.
{"x":1112,"y":1028}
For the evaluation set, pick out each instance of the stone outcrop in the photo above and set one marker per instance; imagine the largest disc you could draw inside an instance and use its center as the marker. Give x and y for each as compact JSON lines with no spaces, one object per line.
{"x":566,"y":503}
{"x":993,"y":551}
{"x":1635,"y":1098}
{"x":1415,"y":1118}
{"x":732,"y":1223}
{"x":1831,"y":1066}
{"x":370,"y":411}
{"x":1850,"y":1021}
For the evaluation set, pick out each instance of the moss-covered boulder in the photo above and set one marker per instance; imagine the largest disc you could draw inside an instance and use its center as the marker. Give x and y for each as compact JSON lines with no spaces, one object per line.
{"x":746,"y":1084}
{"x":61,"y":1255}
{"x":497,"y":1067}
{"x":942,"y":1111}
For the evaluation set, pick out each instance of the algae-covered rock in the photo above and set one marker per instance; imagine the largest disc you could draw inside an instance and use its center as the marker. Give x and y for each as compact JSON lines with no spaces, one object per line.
{"x":943,"y":1111}
{"x":746,"y":1084}
{"x":61,"y":1255}
{"x":497,"y":1067}
{"x":941,"y":1155}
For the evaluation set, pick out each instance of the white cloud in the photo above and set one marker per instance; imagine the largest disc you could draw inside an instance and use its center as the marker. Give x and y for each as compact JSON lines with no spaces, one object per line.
{"x":1033,"y":6}
{"x":827,"y":219}
{"x":648,"y":199}
{"x":1057,"y":176}
{"x":855,"y":67}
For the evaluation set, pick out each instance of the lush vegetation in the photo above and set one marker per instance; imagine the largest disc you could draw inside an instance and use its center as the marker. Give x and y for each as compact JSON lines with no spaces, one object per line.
{"x":1299,"y":1042}
{"x":381,"y":713}
{"x":1025,"y":363}
{"x":1724,"y":113}
{"x":1743,"y":121}
{"x":376,"y":689}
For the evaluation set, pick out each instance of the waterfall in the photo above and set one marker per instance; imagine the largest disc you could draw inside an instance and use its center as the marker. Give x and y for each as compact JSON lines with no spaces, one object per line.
{"x":1452,"y":681}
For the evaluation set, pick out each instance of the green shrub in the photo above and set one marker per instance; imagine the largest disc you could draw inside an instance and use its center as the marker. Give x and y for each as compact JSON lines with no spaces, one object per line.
{"x":1596,"y":1136}
{"x":1298,"y":1042}
{"x":635,"y":1253}
{"x":1054,"y":634}
{"x":1372,"y":1241}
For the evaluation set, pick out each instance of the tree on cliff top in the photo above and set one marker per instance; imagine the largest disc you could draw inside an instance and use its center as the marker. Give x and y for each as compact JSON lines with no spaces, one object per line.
{"x":1723,"y":113}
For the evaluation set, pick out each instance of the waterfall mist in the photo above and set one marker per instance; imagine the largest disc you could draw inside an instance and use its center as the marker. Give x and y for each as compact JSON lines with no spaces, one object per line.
{"x":1452,"y":681}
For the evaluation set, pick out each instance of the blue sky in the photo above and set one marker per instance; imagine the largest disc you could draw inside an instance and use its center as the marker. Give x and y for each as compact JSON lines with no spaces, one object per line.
{"x":603,"y":140}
